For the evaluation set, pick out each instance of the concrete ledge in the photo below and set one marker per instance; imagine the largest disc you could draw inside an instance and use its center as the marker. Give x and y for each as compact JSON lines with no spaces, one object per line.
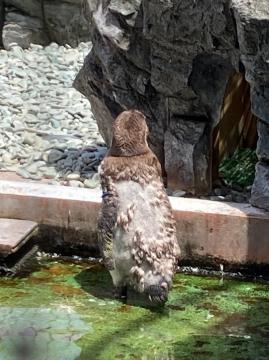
{"x":14,"y":234}
{"x":68,"y":214}
{"x":233,"y":233}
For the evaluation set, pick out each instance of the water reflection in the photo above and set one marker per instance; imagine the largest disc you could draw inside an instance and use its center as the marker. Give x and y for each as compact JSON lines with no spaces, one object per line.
{"x":40,"y":333}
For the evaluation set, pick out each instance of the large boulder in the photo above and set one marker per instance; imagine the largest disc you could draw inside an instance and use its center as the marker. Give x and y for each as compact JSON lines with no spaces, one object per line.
{"x":67,"y":22}
{"x":252,"y":19}
{"x":173,"y":60}
{"x":44,"y":21}
{"x":23,"y":30}
{"x":166,"y":59}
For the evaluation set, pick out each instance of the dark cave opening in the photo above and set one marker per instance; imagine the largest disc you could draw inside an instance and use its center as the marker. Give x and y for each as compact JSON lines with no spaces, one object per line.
{"x":235,"y":137}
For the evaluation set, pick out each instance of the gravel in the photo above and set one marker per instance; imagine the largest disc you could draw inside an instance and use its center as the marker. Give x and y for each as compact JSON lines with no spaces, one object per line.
{"x":47,"y":129}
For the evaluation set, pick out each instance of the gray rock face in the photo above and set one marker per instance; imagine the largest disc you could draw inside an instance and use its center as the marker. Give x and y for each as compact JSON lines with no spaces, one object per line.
{"x":30,"y":7}
{"x":263,"y":142}
{"x":172,"y":61}
{"x":260,"y":189}
{"x":44,"y":21}
{"x":181,"y":139}
{"x":252,"y":19}
{"x":67,"y":22}
{"x":23,"y":30}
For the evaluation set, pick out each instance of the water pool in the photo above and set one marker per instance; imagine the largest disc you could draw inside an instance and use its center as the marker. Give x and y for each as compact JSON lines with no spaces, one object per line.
{"x":66,"y":310}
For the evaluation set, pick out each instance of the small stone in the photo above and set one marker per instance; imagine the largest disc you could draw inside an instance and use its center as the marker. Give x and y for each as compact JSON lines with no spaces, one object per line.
{"x":73,"y":176}
{"x":31,"y":119}
{"x":179,"y":193}
{"x":37,"y":156}
{"x":60,"y":146}
{"x":55,"y":124}
{"x":55,"y":155}
{"x":29,"y":139}
{"x":50,"y":173}
{"x":36,"y":46}
{"x":238,"y":197}
{"x":42,"y":144}
{"x":74,"y":144}
{"x":32,"y":169}
{"x":91,"y":184}
{"x":75,"y":183}
{"x":35,"y":177}
{"x":23,"y":173}
{"x":15,"y":101}
{"x":12,"y":168}
{"x":228,"y":198}
{"x":45,"y":157}
{"x":7,"y":158}
{"x":44,"y":116}
{"x":33,"y":109}
{"x":20,"y":73}
{"x":220,"y":191}
{"x":68,"y":163}
{"x":87,"y":157}
{"x":217,"y":198}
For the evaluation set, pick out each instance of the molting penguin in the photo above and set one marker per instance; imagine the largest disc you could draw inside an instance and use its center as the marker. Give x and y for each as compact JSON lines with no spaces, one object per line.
{"x":136,"y":228}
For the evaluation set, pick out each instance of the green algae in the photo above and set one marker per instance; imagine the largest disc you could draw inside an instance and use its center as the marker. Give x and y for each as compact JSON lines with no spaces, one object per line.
{"x":66,"y":310}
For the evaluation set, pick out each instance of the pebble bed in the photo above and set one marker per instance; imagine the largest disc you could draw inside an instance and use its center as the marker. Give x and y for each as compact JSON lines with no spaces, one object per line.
{"x":47,"y":129}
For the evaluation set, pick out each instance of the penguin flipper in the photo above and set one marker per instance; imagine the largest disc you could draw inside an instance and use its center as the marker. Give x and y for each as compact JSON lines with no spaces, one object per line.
{"x":106,"y":226}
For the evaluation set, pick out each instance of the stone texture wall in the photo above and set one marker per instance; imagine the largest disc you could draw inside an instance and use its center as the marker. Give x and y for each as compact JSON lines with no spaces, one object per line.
{"x":45,"y":21}
{"x":172,"y":60}
{"x":252,"y":20}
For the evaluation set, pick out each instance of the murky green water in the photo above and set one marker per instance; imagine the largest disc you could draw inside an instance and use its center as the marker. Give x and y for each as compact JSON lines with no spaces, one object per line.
{"x":67,"y":311}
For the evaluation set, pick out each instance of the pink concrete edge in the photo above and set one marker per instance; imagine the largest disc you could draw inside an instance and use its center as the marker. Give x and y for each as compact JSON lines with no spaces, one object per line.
{"x":42,"y":190}
{"x":232,"y":232}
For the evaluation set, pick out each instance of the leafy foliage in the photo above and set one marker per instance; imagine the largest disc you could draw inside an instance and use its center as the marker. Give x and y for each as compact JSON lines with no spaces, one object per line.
{"x":239,"y":169}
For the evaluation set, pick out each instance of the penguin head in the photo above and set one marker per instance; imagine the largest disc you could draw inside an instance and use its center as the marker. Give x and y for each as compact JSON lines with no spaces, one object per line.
{"x":158,"y":288}
{"x":130,"y":133}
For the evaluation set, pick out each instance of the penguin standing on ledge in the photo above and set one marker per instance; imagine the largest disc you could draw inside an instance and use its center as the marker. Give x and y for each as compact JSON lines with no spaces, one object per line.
{"x":136,"y":228}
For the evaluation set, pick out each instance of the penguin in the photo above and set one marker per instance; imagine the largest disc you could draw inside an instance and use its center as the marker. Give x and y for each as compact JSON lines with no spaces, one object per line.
{"x":136,"y":227}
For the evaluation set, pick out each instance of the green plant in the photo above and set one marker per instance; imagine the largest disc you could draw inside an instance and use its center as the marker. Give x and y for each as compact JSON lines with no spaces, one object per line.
{"x":239,"y":169}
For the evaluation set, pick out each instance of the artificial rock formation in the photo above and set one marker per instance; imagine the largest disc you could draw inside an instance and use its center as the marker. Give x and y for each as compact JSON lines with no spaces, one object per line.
{"x":172,"y":60}
{"x":45,"y":21}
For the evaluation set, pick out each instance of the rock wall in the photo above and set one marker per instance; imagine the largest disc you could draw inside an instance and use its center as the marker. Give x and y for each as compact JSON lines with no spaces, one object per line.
{"x":172,"y":60}
{"x":252,"y":20}
{"x":45,"y":21}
